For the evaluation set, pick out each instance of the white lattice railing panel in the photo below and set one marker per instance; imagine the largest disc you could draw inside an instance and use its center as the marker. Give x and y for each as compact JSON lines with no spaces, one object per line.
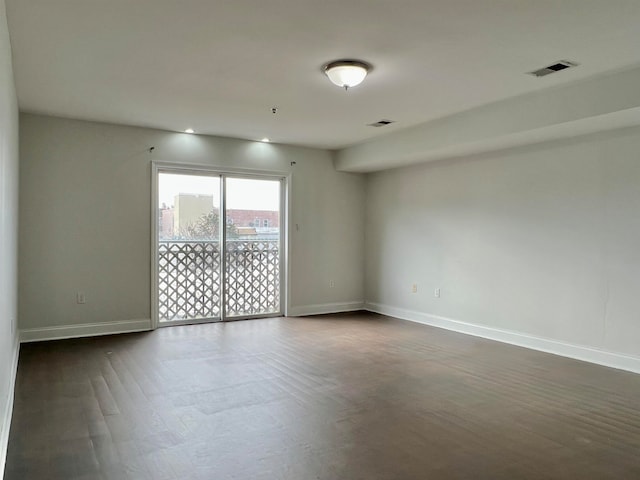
{"x":188,"y":280}
{"x":253,"y":277}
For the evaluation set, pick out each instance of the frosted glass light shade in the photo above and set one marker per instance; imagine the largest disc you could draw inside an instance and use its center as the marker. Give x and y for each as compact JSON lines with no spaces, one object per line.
{"x":347,"y":73}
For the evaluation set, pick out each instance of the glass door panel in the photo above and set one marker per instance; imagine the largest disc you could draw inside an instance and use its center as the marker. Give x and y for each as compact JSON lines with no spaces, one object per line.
{"x":189,"y":254}
{"x":252,"y":247}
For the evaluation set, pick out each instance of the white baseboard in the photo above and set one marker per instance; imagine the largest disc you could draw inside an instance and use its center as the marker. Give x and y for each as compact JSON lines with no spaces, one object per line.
{"x":578,"y":352}
{"x":84,"y":330}
{"x":8,"y":411}
{"x":322,"y":308}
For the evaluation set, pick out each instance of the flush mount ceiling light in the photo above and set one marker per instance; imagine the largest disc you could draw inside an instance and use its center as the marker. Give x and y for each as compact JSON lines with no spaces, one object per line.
{"x":347,"y":73}
{"x":189,"y":130}
{"x":265,"y":140}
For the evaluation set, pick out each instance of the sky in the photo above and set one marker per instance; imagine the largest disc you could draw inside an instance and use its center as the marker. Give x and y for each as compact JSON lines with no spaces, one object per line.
{"x":242,"y":193}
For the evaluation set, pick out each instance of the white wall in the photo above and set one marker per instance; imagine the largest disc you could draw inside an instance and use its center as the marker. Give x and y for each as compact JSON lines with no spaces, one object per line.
{"x":541,"y":240}
{"x":8,"y":233}
{"x":85,"y":225}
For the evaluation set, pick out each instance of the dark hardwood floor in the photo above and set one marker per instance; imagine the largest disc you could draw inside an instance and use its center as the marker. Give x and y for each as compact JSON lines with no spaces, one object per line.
{"x":355,"y":396}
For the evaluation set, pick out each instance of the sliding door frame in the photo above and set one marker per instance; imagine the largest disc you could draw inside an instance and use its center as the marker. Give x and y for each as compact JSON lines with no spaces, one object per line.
{"x":223,"y":173}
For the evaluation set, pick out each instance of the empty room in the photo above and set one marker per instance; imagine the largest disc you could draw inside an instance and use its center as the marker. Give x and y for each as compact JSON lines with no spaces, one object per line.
{"x":363,"y":240}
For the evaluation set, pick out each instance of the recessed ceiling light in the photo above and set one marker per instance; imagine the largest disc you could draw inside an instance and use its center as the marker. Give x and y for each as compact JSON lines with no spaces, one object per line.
{"x":265,"y":140}
{"x":189,"y":130}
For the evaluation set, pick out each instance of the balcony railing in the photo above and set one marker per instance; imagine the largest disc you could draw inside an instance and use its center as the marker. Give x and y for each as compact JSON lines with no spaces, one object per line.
{"x":189,"y":280}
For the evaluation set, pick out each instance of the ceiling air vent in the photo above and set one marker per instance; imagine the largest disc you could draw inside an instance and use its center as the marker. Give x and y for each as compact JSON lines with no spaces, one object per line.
{"x":380,"y":123}
{"x":556,"y":67}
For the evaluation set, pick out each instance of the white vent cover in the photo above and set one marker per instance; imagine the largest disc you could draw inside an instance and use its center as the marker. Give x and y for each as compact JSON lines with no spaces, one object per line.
{"x":380,"y":123}
{"x":556,"y":67}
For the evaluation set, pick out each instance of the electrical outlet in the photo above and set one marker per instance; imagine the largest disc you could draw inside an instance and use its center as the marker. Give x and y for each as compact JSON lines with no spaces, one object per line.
{"x":414,"y":288}
{"x":436,"y":293}
{"x":80,"y":298}
{"x":332,"y":284}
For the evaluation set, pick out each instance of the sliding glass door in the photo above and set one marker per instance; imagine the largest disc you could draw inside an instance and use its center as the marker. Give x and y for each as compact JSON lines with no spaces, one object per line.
{"x":252,"y":247}
{"x":218,"y":246}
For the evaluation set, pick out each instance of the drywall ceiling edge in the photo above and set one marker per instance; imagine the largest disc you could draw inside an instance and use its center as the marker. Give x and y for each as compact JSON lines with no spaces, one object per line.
{"x":601,"y":103}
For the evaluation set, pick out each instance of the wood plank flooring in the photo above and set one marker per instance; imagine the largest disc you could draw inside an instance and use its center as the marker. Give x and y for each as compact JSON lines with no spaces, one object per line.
{"x":354,"y":396}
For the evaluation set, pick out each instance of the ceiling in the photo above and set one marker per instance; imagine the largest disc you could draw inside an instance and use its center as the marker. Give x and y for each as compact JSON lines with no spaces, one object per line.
{"x":220,"y":66}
